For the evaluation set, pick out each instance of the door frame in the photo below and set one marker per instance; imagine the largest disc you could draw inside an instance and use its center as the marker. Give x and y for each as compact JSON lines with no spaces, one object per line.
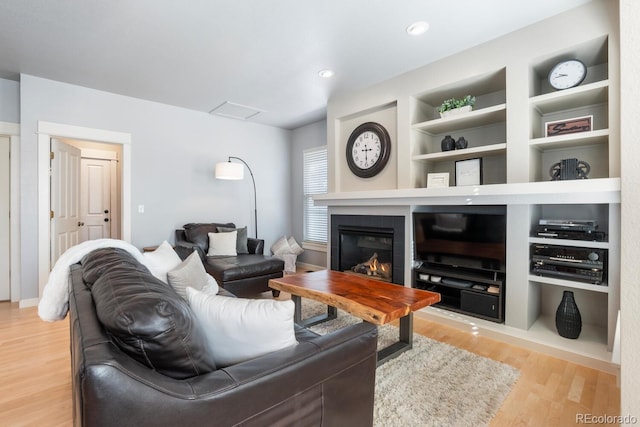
{"x":12,"y":130}
{"x":48,"y":130}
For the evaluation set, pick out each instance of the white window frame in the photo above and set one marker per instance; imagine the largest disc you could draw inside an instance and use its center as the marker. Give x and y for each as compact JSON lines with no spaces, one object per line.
{"x":309,"y":189}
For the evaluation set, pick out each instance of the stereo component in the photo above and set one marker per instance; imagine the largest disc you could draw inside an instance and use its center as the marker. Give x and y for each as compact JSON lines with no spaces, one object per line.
{"x":571,"y":263}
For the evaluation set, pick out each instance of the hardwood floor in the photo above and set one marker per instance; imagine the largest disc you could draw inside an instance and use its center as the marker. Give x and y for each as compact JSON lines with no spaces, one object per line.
{"x":36,"y":379}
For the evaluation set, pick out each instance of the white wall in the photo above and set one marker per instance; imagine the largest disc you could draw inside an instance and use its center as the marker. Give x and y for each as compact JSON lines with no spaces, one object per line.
{"x":173,"y":151}
{"x":303,"y":138}
{"x":9,"y":101}
{"x":630,"y":175}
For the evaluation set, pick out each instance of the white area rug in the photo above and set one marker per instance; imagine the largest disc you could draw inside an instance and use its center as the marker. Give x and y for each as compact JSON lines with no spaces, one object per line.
{"x":433,"y":384}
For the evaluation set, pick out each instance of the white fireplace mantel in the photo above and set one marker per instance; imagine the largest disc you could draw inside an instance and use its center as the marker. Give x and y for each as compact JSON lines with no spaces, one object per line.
{"x":604,"y":190}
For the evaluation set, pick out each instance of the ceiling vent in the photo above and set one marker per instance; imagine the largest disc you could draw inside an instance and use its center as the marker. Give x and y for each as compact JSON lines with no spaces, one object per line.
{"x":235,"y":111}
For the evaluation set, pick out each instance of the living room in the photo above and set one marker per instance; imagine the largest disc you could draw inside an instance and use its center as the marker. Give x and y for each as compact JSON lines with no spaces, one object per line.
{"x":172,"y":149}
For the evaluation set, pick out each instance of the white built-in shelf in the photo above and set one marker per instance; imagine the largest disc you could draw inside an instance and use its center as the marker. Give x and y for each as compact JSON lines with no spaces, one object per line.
{"x":465,"y":153}
{"x":604,"y":289}
{"x":475,"y":118}
{"x":588,"y":94}
{"x":591,"y":342}
{"x":579,"y":139}
{"x":569,"y":242}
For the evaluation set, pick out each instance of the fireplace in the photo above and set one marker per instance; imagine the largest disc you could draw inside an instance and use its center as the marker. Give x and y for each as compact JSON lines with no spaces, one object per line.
{"x":369,"y":245}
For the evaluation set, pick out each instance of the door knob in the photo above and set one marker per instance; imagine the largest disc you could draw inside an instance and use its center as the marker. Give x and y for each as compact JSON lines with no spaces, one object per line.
{"x":106,"y":211}
{"x":106,"y":220}
{"x":80,"y":224}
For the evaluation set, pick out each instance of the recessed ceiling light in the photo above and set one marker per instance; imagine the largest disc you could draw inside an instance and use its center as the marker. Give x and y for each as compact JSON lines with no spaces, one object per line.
{"x":418,"y":28}
{"x":325,"y":74}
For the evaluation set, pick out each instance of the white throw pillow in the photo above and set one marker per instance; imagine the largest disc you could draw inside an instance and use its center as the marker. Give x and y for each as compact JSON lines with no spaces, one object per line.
{"x":239,"y":329}
{"x":222,"y":244}
{"x":160,"y":261}
{"x":295,"y":247}
{"x":191,"y":273}
{"x":281,"y":246}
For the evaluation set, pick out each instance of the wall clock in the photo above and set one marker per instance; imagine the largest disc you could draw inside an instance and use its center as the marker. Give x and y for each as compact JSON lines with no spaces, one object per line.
{"x":567,"y":74}
{"x":368,"y":149}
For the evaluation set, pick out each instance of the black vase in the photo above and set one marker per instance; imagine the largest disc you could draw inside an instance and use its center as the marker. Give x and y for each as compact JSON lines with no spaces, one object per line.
{"x":568,"y":319}
{"x":461,"y":143}
{"x":448,"y":143}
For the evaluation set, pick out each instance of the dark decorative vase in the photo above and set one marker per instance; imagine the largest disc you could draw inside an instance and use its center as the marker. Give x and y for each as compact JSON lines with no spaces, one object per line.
{"x":461,"y":143}
{"x":448,"y":143}
{"x":568,"y":319}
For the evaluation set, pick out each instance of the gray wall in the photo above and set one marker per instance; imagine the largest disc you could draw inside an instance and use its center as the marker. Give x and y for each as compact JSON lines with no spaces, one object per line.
{"x":9,"y":101}
{"x":173,"y":152}
{"x":310,"y":136}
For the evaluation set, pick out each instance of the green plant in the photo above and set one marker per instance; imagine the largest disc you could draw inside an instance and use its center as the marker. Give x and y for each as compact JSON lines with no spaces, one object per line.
{"x":453,"y":103}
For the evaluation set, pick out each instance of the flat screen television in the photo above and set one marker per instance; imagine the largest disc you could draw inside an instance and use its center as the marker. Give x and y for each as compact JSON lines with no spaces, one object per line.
{"x":455,"y":239}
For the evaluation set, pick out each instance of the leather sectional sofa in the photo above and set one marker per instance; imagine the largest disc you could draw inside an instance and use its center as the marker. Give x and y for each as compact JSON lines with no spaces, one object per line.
{"x":120,"y":378}
{"x":243,"y":274}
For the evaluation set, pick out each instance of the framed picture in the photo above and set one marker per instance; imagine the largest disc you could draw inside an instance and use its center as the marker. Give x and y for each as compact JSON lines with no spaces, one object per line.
{"x":469,"y":172}
{"x":437,"y":180}
{"x":563,"y":127}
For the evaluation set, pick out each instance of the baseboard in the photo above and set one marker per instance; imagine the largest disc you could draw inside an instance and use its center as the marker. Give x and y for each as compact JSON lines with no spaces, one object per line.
{"x":31,"y":302}
{"x":514,"y":336}
{"x":302,"y":266}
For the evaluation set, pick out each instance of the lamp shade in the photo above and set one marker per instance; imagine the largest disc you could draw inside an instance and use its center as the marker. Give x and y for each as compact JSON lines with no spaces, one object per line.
{"x":228,"y":170}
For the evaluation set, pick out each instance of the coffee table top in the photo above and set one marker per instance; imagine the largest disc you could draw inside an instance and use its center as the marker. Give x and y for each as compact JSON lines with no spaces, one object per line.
{"x":372,"y":300}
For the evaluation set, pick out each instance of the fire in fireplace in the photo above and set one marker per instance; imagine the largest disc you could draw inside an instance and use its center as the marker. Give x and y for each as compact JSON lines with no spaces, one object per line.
{"x":373,"y":267}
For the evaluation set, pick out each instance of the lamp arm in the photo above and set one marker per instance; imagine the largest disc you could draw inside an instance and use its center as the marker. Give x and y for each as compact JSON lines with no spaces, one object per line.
{"x":255,"y":200}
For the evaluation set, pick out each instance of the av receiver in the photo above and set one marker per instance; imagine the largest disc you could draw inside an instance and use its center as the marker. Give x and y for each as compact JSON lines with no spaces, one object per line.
{"x":571,"y":263}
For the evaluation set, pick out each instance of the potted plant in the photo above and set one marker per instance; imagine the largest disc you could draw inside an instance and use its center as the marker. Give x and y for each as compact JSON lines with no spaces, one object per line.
{"x":455,"y":105}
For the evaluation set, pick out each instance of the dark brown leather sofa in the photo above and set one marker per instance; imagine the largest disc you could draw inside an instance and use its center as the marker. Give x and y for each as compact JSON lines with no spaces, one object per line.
{"x":244,"y":274}
{"x":322,"y":381}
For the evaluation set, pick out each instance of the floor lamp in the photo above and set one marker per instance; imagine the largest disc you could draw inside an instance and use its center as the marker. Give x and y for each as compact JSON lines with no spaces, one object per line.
{"x":229,"y":170}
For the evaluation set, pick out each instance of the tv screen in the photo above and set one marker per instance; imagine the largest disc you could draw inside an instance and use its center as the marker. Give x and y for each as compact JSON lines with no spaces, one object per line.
{"x":472,"y":240}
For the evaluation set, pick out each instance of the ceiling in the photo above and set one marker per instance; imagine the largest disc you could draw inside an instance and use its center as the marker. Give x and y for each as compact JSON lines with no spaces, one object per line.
{"x":264,"y":54}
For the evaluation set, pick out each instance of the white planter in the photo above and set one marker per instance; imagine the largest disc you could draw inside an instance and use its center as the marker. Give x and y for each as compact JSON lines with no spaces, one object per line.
{"x":456,"y":111}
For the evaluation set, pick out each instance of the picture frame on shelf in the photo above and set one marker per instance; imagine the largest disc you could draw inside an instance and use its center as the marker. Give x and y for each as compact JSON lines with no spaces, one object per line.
{"x":469,"y":172}
{"x":435,"y":180}
{"x":568,"y":126}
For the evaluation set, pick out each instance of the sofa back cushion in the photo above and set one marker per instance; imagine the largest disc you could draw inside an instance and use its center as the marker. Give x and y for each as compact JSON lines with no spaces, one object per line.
{"x":198,"y":233}
{"x":147,"y":319}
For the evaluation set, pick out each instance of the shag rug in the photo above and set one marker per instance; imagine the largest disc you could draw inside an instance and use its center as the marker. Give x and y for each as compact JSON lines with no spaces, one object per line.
{"x":433,"y":384}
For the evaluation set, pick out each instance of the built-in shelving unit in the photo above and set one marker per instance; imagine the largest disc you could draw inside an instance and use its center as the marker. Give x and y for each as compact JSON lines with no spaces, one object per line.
{"x":506,"y":128}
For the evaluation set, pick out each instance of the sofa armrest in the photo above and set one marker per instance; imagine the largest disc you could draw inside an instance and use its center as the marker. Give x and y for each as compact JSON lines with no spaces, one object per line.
{"x":255,"y":246}
{"x":184,"y":248}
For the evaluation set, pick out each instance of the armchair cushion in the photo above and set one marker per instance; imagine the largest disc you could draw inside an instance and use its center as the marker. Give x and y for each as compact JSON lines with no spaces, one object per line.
{"x":198,"y":233}
{"x":241,"y":242}
{"x":242,"y":329}
{"x":222,"y":244}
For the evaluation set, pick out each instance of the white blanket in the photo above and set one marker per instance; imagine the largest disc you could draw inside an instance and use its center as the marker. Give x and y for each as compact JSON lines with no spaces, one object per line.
{"x":54,"y":303}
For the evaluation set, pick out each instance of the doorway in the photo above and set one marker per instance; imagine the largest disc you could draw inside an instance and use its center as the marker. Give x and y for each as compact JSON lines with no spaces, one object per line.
{"x":5,"y":202}
{"x":85,"y":193}
{"x":47,"y":131}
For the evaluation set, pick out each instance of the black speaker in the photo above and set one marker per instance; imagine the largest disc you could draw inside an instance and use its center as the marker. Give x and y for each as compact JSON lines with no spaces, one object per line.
{"x":474,"y":302}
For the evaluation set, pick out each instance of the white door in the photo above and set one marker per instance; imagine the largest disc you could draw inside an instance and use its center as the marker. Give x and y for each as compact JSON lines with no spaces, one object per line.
{"x":65,"y":203}
{"x":95,"y":199}
{"x":5,"y":286}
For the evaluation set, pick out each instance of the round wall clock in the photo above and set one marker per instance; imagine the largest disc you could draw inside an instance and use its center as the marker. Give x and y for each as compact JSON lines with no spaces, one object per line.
{"x":368,"y":149}
{"x":567,"y":74}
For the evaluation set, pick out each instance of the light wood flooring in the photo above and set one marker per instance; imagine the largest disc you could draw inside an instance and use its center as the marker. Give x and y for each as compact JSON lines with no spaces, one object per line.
{"x":35,"y":378}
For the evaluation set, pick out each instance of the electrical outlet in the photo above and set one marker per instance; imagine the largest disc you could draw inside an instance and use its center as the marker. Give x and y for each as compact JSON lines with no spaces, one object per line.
{"x":140,"y":208}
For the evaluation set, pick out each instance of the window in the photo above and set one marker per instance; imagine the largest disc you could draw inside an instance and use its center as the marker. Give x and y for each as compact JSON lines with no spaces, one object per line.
{"x":315,"y":182}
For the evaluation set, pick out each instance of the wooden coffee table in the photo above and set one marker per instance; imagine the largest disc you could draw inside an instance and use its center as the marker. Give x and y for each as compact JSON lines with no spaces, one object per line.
{"x":369,"y":299}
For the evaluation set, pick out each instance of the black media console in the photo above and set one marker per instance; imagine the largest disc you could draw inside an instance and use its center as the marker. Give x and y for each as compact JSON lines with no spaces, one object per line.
{"x":478,"y":293}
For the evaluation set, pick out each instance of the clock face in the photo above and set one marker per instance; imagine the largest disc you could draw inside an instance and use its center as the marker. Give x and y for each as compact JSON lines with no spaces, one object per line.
{"x":567,"y":74}
{"x":368,"y":149}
